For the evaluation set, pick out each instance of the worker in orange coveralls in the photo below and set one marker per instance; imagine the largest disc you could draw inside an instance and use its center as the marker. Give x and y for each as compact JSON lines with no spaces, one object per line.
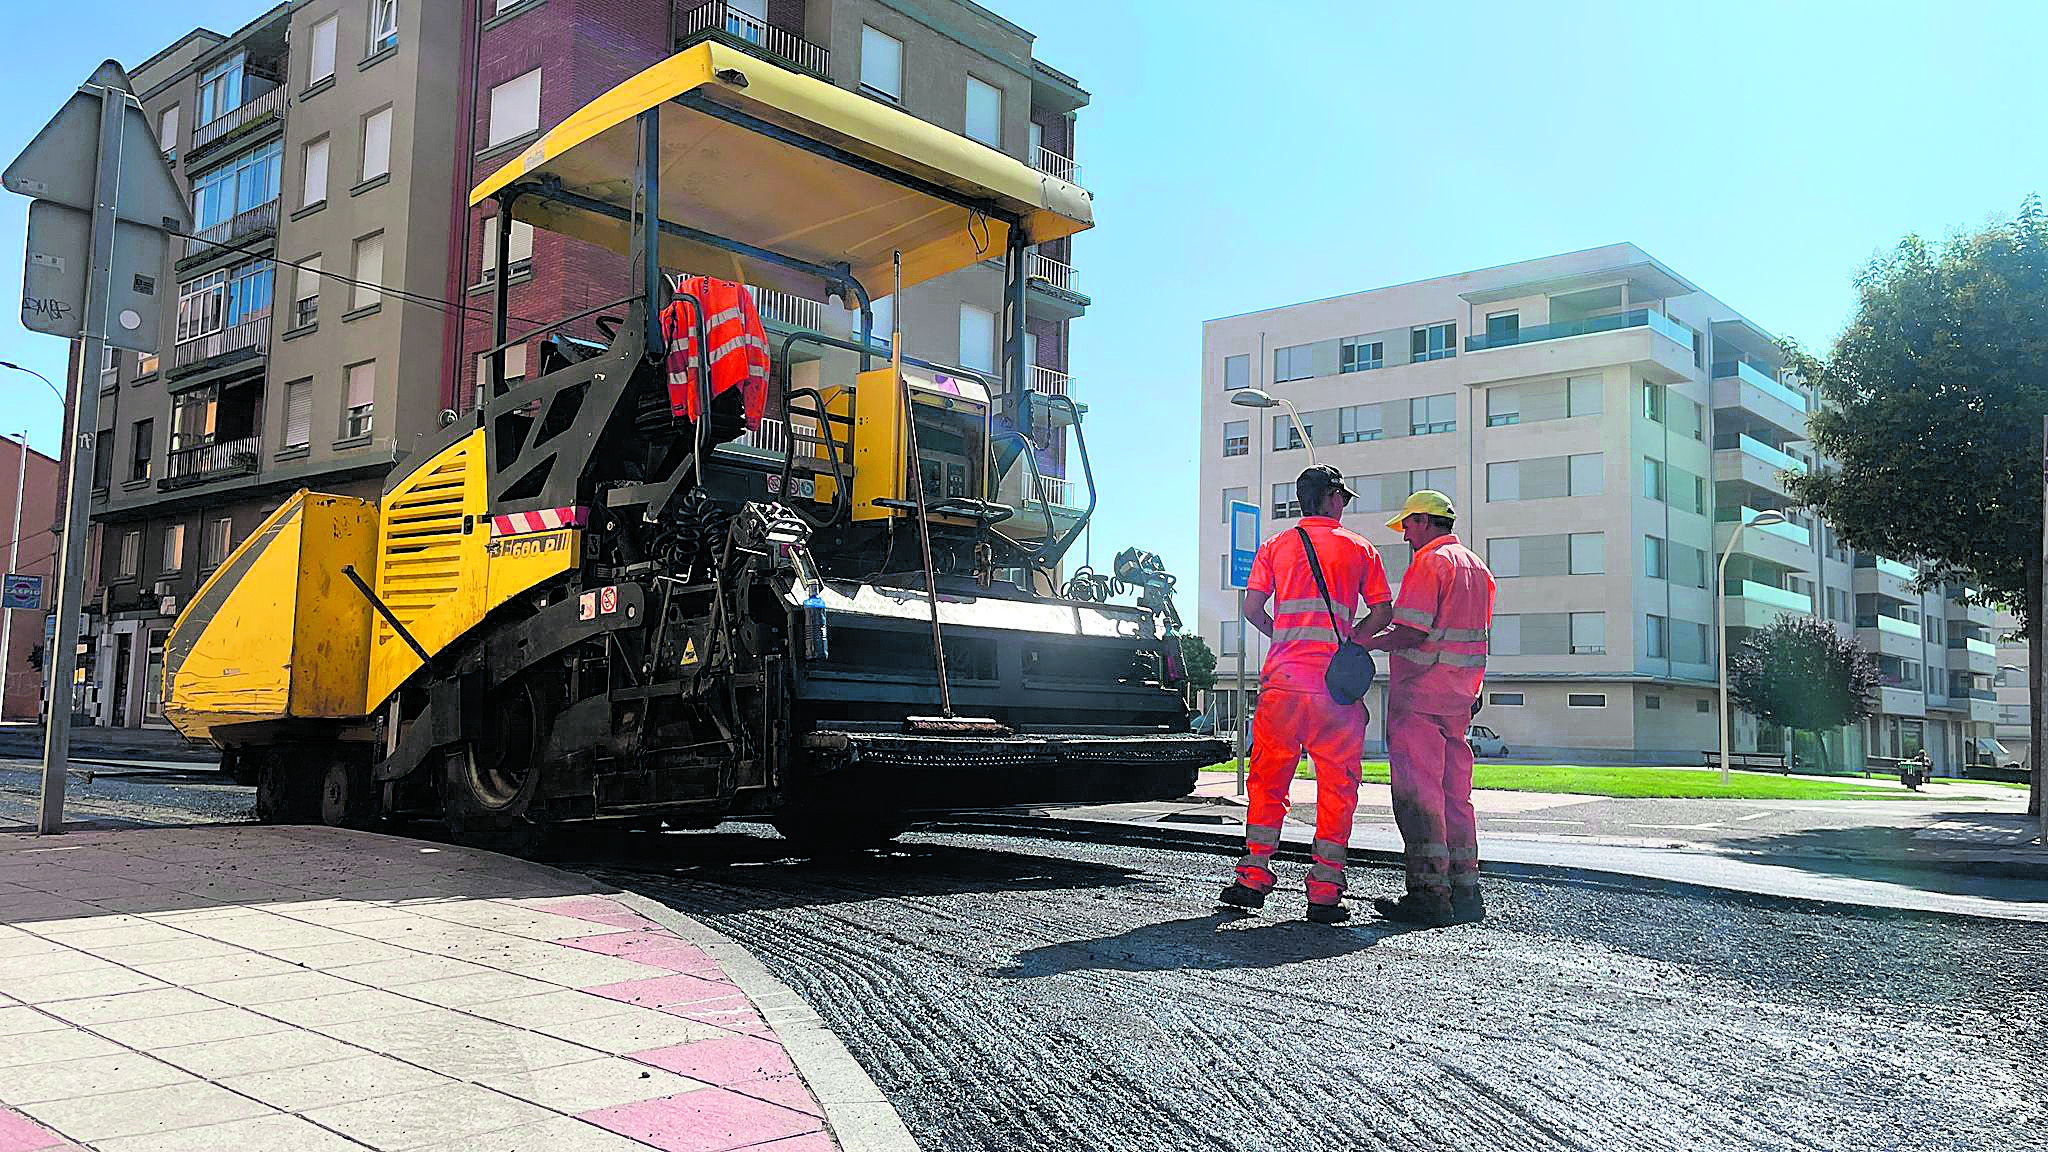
{"x":1295,"y":710}
{"x":1438,"y":645}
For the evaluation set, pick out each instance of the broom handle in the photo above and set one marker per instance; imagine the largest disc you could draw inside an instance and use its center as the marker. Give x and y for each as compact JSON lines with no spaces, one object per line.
{"x":924,"y":534}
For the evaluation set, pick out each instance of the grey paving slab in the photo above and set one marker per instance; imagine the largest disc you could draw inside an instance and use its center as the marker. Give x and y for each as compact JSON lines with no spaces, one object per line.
{"x":341,"y":1008}
{"x":153,"y":1032}
{"x":212,"y":969}
{"x":638,"y":1030}
{"x":131,"y":1006}
{"x":558,"y":1006}
{"x":108,"y":981}
{"x":592,"y":1084}
{"x":188,"y":947}
{"x":478,"y":988}
{"x":328,"y":957}
{"x":458,"y":1045}
{"x":215,"y":1059}
{"x":21,"y":1019}
{"x":257,"y":1134}
{"x":272,"y":989}
{"x":147,"y":1110}
{"x":560,"y":1134}
{"x":413,"y":969}
{"x":434,"y":1115}
{"x":87,"y":1076}
{"x":364,"y":1076}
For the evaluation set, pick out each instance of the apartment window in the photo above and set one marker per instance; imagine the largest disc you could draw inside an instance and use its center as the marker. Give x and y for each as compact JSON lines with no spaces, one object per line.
{"x":1232,"y":496}
{"x":1505,"y":699}
{"x":1429,"y":415}
{"x":1433,"y":342}
{"x":167,"y":130}
{"x":1653,"y":703}
{"x":1655,"y":558}
{"x":174,"y":549}
{"x":521,"y":248}
{"x":131,"y":555}
{"x":977,"y":338}
{"x":383,"y":25}
{"x":146,"y":364}
{"x":1237,"y":437}
{"x":985,"y":113}
{"x":1702,"y":707}
{"x":361,"y":400}
{"x":1585,"y":700}
{"x":1654,"y":487}
{"x":1358,"y":424}
{"x":141,"y":450}
{"x":1227,"y":642}
{"x":1504,"y":556}
{"x":313,"y":184}
{"x":306,"y":292}
{"x":376,"y":144}
{"x":1504,"y":637}
{"x":110,"y":369}
{"x":515,"y":364}
{"x":1689,"y":642}
{"x":217,"y":543}
{"x":1653,"y":402}
{"x":515,"y":108}
{"x":1357,"y":354}
{"x":1288,"y":435}
{"x":1444,"y":480}
{"x":881,"y":65}
{"x":1589,"y":633}
{"x":1503,"y":327}
{"x":1656,"y":637}
{"x":320,"y":51}
{"x":1587,"y":474}
{"x":1503,"y":406}
{"x":1544,"y":477}
{"x":369,"y":272}
{"x":243,"y":184}
{"x":298,"y":415}
{"x":1584,"y":396}
{"x":1285,"y":506}
{"x":1294,"y":362}
{"x":249,"y":291}
{"x":220,"y":90}
{"x":1588,"y":553}
{"x":1237,"y":372}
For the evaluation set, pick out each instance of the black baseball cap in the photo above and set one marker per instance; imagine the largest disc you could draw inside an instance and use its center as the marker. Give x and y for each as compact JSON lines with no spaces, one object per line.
{"x":1317,"y":481}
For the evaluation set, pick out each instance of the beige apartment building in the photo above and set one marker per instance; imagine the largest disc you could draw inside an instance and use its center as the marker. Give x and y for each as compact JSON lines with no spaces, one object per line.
{"x":1602,"y":423}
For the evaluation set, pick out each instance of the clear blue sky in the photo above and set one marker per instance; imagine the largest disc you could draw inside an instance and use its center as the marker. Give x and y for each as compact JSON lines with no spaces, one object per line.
{"x":1242,"y":160}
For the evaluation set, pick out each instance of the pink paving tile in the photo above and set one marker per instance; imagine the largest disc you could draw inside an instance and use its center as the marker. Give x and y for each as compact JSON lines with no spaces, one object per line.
{"x":788,"y":1091}
{"x":707,"y":1120}
{"x":726,"y":1061}
{"x":814,"y":1142}
{"x":672,"y":991}
{"x":18,"y":1133}
{"x":634,"y":943}
{"x":597,"y":910}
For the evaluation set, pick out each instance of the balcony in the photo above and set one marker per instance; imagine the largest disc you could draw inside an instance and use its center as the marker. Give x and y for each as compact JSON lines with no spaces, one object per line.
{"x":1887,"y":578}
{"x":1967,"y":654}
{"x":1563,"y":329}
{"x":1744,"y":458}
{"x":1890,"y":636}
{"x":1786,"y":545}
{"x":202,"y":463}
{"x":238,"y":229}
{"x":788,"y":310}
{"x":256,"y":113}
{"x":1056,"y":166}
{"x":1983,"y":707}
{"x":1755,"y":378}
{"x":1739,"y":387}
{"x":1895,"y":698}
{"x":696,"y":21}
{"x":1982,"y":615}
{"x":1754,"y":605}
{"x":245,"y":341}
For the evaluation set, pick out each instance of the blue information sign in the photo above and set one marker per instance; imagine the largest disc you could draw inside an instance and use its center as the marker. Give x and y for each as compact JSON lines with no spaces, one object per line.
{"x":22,"y":592}
{"x":1244,"y":541}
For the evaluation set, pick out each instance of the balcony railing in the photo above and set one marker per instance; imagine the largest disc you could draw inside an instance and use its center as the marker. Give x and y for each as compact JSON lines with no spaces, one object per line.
{"x":1796,"y":533}
{"x":1057,"y":491}
{"x":1757,"y":449}
{"x":1891,"y":624}
{"x":1051,"y":381}
{"x":1888,"y":567}
{"x":1613,"y":322}
{"x":203,"y":462}
{"x":269,"y":106}
{"x":699,"y":20}
{"x":249,"y":336}
{"x":789,"y":310}
{"x":1974,"y":646}
{"x":260,"y":220}
{"x":1776,"y":597}
{"x":1741,"y":370}
{"x":1043,"y":267}
{"x":1057,"y":166}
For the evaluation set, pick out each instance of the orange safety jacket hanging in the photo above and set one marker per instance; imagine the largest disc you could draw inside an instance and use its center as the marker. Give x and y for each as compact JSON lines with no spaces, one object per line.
{"x":739,"y":348}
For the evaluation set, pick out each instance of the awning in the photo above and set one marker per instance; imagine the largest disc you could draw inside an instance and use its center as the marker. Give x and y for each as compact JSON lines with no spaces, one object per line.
{"x":786,"y":162}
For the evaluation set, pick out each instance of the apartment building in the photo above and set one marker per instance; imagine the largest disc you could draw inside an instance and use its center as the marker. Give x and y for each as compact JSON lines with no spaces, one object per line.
{"x":336,"y":297}
{"x":1602,"y":424}
{"x":28,"y":511}
{"x":2015,"y":696}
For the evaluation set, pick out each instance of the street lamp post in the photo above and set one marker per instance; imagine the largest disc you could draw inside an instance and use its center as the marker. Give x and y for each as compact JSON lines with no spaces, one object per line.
{"x":1260,"y":398}
{"x":1760,"y":520}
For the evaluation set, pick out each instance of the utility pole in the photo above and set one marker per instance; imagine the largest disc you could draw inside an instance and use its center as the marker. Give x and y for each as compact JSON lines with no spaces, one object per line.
{"x":13,"y":558}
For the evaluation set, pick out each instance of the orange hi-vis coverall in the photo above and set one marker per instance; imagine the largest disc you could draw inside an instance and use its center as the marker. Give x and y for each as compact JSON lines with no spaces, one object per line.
{"x":1448,"y":594}
{"x":1295,"y":711}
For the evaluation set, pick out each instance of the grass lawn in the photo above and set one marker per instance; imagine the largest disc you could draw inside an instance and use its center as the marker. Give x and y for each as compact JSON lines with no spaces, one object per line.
{"x":1620,"y":780}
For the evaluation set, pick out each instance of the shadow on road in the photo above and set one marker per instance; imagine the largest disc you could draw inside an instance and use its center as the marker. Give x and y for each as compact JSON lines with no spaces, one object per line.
{"x":1967,"y":853}
{"x":1211,"y":943}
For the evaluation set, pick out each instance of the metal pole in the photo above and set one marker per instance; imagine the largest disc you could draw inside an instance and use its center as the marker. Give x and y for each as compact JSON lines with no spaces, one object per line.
{"x":1721,"y":641}
{"x":1300,"y":429}
{"x":1241,"y":710}
{"x":78,"y":485}
{"x":13,"y":558}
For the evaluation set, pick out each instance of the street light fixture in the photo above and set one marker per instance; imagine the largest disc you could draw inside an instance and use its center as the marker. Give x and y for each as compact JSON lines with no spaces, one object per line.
{"x":1260,"y":398}
{"x":54,"y":390}
{"x":1761,"y":520}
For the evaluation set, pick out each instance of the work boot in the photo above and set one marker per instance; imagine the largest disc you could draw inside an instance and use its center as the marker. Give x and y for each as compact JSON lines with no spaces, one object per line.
{"x":1239,"y":896}
{"x":1328,"y":913}
{"x":1467,"y":905}
{"x":1416,"y":908}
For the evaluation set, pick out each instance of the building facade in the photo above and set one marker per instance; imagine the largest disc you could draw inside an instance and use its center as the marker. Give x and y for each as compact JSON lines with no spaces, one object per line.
{"x":334,"y":299}
{"x":1602,"y":425}
{"x":28,"y":513}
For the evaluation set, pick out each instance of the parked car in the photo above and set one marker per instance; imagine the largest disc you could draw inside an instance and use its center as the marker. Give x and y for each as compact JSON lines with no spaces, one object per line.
{"x":1484,"y":741}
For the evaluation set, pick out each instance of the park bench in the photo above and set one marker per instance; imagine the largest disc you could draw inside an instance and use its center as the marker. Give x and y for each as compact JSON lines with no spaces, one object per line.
{"x":1754,"y":761}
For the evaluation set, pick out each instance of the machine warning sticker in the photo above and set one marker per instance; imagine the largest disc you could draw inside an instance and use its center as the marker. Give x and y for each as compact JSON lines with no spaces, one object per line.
{"x":534,"y":545}
{"x":586,"y":606}
{"x":690,"y":651}
{"x":608,"y":600}
{"x":804,"y":486}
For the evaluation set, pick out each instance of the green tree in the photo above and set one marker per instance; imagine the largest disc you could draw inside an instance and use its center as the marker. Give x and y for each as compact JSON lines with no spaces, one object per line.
{"x":1199,"y":662}
{"x":1803,"y":673}
{"x":1935,"y":393}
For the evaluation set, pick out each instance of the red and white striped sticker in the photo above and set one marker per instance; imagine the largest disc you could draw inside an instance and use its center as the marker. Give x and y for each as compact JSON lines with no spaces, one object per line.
{"x":545,"y":520}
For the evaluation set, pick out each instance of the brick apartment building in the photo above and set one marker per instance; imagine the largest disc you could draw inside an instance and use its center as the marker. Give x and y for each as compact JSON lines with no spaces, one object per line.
{"x":31,"y":478}
{"x":339,"y":138}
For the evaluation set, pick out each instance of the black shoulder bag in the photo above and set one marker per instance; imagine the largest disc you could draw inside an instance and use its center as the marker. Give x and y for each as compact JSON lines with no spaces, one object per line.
{"x":1351,"y":667}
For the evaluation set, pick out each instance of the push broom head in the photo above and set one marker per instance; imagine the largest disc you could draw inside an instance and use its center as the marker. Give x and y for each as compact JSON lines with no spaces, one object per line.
{"x":952,"y":726}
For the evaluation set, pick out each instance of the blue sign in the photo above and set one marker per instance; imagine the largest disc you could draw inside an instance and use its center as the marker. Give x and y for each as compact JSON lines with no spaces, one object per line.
{"x":1244,"y":541}
{"x":21,"y":592}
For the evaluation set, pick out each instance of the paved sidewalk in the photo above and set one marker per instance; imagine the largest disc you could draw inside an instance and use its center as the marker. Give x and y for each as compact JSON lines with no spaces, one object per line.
{"x":109,"y":745}
{"x":312,"y":989}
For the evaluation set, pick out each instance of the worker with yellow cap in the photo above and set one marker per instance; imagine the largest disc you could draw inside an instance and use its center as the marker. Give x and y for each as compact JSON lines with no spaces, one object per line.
{"x":1438,"y":646}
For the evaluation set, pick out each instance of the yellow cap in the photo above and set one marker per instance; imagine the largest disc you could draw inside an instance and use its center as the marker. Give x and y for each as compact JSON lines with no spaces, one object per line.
{"x":1429,"y":502}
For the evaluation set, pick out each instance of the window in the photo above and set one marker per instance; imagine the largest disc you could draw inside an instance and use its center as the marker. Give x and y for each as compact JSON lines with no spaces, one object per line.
{"x":1701,"y":706}
{"x":1588,"y":474}
{"x":1585,"y":700}
{"x":376,"y":144}
{"x":1589,"y":633}
{"x":1653,"y":480}
{"x":1237,"y":372}
{"x":320,"y":51}
{"x":1583,"y":395}
{"x":1653,"y":402}
{"x":1287,"y":434}
{"x":1444,"y":480}
{"x":1689,"y":642}
{"x":217,"y":543}
{"x":1504,"y":638}
{"x":110,"y":367}
{"x":515,"y":109}
{"x":1653,"y":703}
{"x":220,"y":91}
{"x":131,"y":554}
{"x":1655,"y":558}
{"x":977,"y":338}
{"x":306,"y":292}
{"x":1503,"y":327}
{"x":1429,"y":415}
{"x":174,"y":549}
{"x":1285,"y":506}
{"x":1293,"y":363}
{"x":369,"y":272}
{"x":985,"y":113}
{"x":1358,"y":424}
{"x":1544,"y":477}
{"x":1503,"y":406}
{"x":146,"y":364}
{"x":1504,"y":556}
{"x":298,"y":415}
{"x":313,"y":185}
{"x":1237,"y":437}
{"x":383,"y":25}
{"x":1232,"y":496}
{"x":361,"y":402}
{"x":141,"y":450}
{"x":1227,"y":641}
{"x":249,"y":181}
{"x":167,"y":130}
{"x":1588,"y":553}
{"x":1505,"y":699}
{"x":1357,"y":354}
{"x":881,"y":65}
{"x":1656,"y":638}
{"x":521,"y":246}
{"x":1433,"y":342}
{"x":249,"y":291}
{"x":515,"y":364}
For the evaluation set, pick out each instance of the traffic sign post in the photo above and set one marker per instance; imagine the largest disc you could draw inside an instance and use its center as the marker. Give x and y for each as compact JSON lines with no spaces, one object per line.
{"x":96,"y":164}
{"x":1244,"y":549}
